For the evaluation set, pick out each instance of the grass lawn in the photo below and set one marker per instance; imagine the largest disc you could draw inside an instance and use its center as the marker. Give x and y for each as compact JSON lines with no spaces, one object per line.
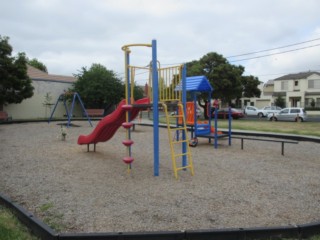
{"x":304,"y":128}
{"x":11,"y":228}
{"x":299,"y":128}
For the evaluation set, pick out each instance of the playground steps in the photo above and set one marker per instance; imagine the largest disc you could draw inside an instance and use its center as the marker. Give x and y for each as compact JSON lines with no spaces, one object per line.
{"x":178,"y":136}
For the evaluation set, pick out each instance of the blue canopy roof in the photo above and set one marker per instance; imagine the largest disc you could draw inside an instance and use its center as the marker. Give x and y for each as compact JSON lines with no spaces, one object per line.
{"x":196,"y":83}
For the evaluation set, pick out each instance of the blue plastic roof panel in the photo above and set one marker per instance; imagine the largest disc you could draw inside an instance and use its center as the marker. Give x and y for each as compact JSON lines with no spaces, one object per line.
{"x":196,"y":83}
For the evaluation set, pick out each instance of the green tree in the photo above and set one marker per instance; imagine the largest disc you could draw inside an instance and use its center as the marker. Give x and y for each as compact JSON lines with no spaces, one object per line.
{"x":47,"y":102}
{"x":98,"y":87}
{"x":227,"y":79}
{"x":250,"y":86}
{"x":313,"y":103}
{"x":37,"y":64}
{"x":280,"y":102}
{"x":138,"y":92}
{"x":15,"y":85}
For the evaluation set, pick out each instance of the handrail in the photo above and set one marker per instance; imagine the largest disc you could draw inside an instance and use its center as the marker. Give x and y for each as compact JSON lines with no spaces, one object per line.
{"x":126,"y":47}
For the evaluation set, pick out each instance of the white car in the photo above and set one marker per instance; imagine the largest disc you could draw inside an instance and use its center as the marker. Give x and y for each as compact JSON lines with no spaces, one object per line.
{"x":270,"y":109}
{"x":253,"y":111}
{"x":289,"y":114}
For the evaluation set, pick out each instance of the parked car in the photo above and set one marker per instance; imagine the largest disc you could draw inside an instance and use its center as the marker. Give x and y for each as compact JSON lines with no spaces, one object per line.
{"x":224,"y":113}
{"x":253,"y":111}
{"x":270,"y":109}
{"x":289,"y":114}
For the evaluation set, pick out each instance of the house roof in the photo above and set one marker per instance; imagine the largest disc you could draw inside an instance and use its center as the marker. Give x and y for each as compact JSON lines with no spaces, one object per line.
{"x":196,"y":83}
{"x":269,"y":83}
{"x":301,"y":75}
{"x":36,"y":74}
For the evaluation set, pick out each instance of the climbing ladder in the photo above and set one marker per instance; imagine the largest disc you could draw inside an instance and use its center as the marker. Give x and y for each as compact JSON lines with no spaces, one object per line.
{"x":175,"y":141}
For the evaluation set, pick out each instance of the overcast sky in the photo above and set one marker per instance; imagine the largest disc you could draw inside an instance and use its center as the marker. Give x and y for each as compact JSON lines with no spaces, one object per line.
{"x":67,"y":35}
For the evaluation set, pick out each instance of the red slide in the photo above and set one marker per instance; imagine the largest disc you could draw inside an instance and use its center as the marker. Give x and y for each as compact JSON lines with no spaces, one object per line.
{"x":107,"y":127}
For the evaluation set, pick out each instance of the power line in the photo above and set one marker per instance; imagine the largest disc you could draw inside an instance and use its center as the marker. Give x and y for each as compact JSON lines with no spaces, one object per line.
{"x":261,"y":56}
{"x":271,"y":49}
{"x":267,"y":55}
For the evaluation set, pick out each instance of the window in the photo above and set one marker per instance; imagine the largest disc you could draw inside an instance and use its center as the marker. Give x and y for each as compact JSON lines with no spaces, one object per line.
{"x":296,"y":83}
{"x":311,"y":84}
{"x":284,"y":85}
{"x":314,"y":84}
{"x":295,"y":111}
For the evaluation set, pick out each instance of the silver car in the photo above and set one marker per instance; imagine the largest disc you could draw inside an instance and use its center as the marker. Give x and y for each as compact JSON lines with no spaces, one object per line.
{"x":251,"y":111}
{"x":289,"y":114}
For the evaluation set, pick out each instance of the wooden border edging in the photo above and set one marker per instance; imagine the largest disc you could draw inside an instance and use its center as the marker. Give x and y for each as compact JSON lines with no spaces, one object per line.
{"x":124,"y":236}
{"x":216,"y":234}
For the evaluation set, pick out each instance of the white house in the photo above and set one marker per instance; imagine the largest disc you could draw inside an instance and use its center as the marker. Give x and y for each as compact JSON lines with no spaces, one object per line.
{"x":265,"y":97}
{"x":38,"y":106}
{"x":298,"y":90}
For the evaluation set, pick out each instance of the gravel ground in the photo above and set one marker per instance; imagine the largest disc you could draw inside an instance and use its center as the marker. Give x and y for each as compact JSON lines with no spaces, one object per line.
{"x":92,"y":192}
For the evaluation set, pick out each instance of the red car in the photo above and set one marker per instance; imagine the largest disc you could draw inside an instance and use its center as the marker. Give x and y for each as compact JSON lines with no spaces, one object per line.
{"x":224,"y":113}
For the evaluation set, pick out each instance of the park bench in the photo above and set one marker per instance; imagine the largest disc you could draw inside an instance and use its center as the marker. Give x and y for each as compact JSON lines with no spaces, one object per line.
{"x":95,"y":112}
{"x":4,"y":116}
{"x":266,"y":140}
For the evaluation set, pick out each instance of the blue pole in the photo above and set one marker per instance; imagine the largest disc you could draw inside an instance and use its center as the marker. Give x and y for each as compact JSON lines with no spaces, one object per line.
{"x":230,"y":120}
{"x":129,"y":99}
{"x":195,"y":125}
{"x":209,"y":108}
{"x":155,"y":109}
{"x":83,"y":108}
{"x":216,"y":128}
{"x":184,"y":101}
{"x":128,"y":77}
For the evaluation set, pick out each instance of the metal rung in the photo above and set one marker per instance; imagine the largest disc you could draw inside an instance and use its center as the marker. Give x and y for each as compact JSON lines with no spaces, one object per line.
{"x":182,"y":154}
{"x":177,"y":129}
{"x":181,"y":168}
{"x":183,"y":129}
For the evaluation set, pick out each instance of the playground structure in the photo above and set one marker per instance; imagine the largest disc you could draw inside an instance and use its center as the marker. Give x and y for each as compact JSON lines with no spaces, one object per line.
{"x":69,"y":112}
{"x":202,"y":129}
{"x":162,"y":93}
{"x":167,"y":87}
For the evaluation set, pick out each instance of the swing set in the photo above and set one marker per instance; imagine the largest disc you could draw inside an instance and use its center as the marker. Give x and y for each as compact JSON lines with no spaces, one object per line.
{"x":69,"y":112}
